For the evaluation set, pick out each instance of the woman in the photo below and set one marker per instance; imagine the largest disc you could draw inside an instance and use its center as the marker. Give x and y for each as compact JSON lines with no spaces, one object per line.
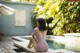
{"x":38,"y":40}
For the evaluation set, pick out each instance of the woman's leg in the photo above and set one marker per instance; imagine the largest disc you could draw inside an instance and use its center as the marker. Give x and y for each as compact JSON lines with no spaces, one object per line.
{"x":30,"y":45}
{"x":34,"y":44}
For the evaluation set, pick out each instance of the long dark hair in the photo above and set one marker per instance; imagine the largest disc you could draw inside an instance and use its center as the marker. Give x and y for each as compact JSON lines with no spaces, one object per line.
{"x":42,"y":24}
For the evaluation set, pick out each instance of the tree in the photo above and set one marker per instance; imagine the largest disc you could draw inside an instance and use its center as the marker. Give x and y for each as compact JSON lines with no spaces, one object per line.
{"x":66,"y":16}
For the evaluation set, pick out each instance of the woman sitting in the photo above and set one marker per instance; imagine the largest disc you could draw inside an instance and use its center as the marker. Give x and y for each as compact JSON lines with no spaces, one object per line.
{"x":38,"y":40}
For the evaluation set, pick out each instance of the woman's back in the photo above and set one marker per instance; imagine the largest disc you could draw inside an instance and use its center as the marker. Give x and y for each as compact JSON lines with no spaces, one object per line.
{"x":38,"y":34}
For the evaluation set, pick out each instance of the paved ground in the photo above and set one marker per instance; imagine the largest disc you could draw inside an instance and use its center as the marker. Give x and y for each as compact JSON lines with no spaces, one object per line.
{"x":7,"y":46}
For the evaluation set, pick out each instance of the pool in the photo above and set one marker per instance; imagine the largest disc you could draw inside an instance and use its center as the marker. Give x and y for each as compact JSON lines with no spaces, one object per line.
{"x":54,"y":45}
{"x":71,"y":44}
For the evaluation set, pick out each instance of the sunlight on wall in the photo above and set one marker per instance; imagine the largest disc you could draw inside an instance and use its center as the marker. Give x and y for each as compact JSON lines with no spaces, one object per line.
{"x":20,"y":16}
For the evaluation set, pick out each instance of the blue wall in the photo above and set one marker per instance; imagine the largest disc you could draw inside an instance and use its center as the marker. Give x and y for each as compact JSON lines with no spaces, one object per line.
{"x":7,"y":23}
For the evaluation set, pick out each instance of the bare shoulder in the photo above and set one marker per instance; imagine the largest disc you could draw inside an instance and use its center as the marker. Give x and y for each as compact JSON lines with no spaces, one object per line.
{"x":35,"y":29}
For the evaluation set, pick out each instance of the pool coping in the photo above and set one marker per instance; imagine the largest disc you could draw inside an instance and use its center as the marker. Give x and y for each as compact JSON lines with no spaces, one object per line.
{"x":21,"y":44}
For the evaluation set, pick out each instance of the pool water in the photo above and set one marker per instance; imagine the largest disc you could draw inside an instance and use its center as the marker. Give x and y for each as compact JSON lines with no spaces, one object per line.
{"x":54,"y":45}
{"x":73,"y":45}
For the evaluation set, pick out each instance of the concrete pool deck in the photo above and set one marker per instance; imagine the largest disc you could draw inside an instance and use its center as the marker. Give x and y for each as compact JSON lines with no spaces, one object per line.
{"x":22,"y":43}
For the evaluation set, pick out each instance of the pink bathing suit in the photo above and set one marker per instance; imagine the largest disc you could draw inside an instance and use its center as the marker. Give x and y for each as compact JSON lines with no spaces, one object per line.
{"x":42,"y":45}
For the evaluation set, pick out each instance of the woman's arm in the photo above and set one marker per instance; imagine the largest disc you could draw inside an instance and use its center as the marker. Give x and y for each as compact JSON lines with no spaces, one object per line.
{"x":34,"y":34}
{"x":34,"y":37}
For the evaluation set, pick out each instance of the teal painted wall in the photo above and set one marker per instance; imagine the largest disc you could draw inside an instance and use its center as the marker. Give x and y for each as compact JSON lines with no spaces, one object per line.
{"x":7,"y":23}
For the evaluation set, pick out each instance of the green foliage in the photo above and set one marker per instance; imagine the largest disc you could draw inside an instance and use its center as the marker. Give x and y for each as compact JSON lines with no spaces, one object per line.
{"x":66,"y":16}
